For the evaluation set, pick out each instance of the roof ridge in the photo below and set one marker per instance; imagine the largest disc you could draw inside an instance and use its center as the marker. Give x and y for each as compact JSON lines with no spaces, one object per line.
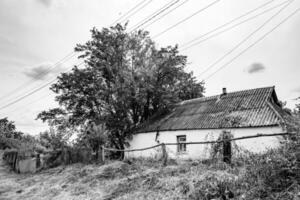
{"x":216,"y":96}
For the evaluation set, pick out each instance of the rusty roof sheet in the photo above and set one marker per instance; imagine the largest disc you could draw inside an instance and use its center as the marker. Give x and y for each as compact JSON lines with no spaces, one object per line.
{"x":248,"y":108}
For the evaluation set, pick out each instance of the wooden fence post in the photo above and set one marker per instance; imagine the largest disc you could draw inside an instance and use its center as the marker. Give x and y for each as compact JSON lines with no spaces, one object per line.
{"x":103,"y":154}
{"x":100,"y":157}
{"x":164,"y":154}
{"x":226,"y":151}
{"x":14,"y":161}
{"x":64,"y":156}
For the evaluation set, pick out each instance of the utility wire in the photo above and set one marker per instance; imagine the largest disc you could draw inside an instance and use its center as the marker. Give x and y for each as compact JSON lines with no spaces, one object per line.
{"x":254,"y":43}
{"x":185,"y":19}
{"x":135,"y":12}
{"x":230,"y":27}
{"x":154,"y":15}
{"x":15,"y":111}
{"x":245,"y":39}
{"x":68,"y":56}
{"x":228,"y":23}
{"x":33,"y":91}
{"x":166,"y":13}
{"x":49,"y":69}
{"x":129,"y":11}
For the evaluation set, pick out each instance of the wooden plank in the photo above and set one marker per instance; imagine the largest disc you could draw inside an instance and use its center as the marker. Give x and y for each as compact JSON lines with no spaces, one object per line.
{"x":164,"y":155}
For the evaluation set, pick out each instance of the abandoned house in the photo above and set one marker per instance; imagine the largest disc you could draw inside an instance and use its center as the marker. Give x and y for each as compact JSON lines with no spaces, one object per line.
{"x":241,"y":113}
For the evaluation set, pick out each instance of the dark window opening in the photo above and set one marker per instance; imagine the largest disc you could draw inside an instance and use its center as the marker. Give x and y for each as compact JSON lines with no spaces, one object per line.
{"x":181,"y":147}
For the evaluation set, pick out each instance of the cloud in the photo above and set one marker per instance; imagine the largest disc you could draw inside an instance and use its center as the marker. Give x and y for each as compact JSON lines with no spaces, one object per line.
{"x":296,"y":89}
{"x":255,"y":68}
{"x":43,"y":71}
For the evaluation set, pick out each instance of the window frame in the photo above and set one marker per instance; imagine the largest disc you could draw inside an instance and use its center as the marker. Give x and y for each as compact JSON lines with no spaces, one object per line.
{"x":181,"y":148}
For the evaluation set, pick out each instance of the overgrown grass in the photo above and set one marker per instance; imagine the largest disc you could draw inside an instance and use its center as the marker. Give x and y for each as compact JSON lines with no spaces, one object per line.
{"x":273,"y":175}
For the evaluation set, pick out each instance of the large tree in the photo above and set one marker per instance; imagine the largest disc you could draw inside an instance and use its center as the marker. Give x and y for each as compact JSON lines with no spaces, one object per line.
{"x":125,"y":80}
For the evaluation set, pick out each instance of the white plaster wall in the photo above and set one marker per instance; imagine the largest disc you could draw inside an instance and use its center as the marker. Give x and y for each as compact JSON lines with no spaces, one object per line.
{"x":200,"y":151}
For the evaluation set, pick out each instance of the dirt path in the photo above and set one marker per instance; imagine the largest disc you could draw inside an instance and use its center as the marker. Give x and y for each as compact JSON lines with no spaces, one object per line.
{"x":69,"y":183}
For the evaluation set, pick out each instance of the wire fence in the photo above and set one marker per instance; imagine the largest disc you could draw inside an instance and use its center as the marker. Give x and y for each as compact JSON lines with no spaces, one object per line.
{"x":167,"y":148}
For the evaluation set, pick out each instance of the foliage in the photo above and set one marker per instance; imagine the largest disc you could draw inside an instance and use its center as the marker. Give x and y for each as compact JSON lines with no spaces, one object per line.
{"x":271,"y":174}
{"x":93,"y":136}
{"x":275,"y":174}
{"x":55,"y":117}
{"x":10,"y":137}
{"x":125,"y":80}
{"x":217,"y":148}
{"x":8,"y":129}
{"x":52,"y":140}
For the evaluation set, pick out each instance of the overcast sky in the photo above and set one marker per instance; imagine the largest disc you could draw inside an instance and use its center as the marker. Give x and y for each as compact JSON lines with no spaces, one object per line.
{"x":35,"y":34}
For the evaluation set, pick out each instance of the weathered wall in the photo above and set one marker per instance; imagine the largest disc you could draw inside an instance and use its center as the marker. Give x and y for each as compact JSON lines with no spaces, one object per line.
{"x":21,"y":162}
{"x":27,"y":165}
{"x":200,"y":151}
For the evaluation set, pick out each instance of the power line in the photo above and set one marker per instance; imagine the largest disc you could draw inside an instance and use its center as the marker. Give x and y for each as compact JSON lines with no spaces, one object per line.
{"x":227,"y":23}
{"x":153,"y":15}
{"x":166,"y":13}
{"x":230,"y":27}
{"x":135,"y":12}
{"x":68,"y":56}
{"x":32,"y":102}
{"x":254,"y":43}
{"x":49,"y":69}
{"x":187,"y":18}
{"x":32,"y":92}
{"x":129,"y":11}
{"x":245,"y":39}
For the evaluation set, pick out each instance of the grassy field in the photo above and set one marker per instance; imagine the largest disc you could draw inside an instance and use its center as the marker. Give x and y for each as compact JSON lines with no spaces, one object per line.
{"x":116,"y":180}
{"x":146,"y":179}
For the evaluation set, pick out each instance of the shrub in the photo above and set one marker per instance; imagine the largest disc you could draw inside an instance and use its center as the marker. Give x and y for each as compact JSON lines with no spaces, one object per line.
{"x":273,"y":172}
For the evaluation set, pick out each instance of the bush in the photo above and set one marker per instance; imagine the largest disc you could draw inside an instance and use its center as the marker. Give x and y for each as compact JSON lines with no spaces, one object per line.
{"x":274,"y":172}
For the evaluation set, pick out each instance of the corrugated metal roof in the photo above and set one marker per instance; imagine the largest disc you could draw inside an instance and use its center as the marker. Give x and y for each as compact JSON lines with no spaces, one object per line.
{"x":247,"y":108}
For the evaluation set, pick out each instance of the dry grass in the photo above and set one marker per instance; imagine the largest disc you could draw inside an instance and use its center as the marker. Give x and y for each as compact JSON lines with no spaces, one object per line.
{"x":147,"y":179}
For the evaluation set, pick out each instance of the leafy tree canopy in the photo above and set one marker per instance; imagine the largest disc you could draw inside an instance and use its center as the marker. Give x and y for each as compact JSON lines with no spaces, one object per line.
{"x":8,"y":129}
{"x":52,"y":140}
{"x":125,"y":80}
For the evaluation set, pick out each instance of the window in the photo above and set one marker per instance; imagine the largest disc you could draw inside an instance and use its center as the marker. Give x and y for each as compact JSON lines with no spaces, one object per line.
{"x":181,"y":147}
